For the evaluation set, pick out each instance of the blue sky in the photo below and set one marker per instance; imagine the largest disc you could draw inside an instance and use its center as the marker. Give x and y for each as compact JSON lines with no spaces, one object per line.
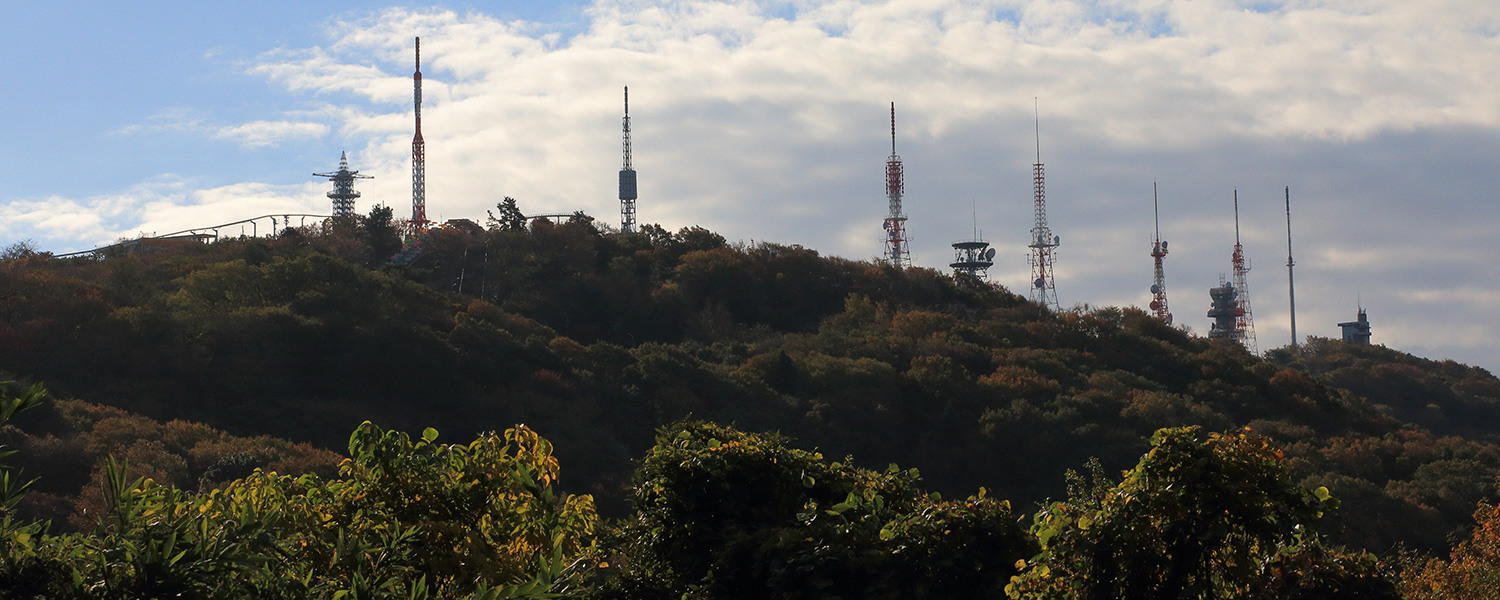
{"x":767,"y":121}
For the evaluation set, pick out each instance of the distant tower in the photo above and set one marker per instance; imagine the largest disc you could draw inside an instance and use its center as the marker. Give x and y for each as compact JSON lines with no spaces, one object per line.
{"x":418,"y":156}
{"x":973,"y":256}
{"x":1159,"y":279}
{"x":343,"y":193}
{"x":1043,"y":244}
{"x":1244,"y":322}
{"x":1291,"y":289}
{"x":1223,"y":309}
{"x":627,"y":176}
{"x":896,"y":249}
{"x":1358,"y":330}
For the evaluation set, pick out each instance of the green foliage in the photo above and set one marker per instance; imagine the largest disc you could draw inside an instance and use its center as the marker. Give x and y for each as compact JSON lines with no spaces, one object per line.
{"x":727,"y":514}
{"x":404,"y":520}
{"x":1199,"y":517}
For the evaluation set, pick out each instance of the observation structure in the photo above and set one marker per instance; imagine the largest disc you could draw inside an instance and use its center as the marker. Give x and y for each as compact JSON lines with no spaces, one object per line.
{"x":974,"y":257}
{"x":343,"y":193}
{"x":897,"y":250}
{"x":1224,"y":310}
{"x":419,"y":220}
{"x":627,"y":175}
{"x":1159,"y":278}
{"x":1043,"y":243}
{"x":1358,"y":330}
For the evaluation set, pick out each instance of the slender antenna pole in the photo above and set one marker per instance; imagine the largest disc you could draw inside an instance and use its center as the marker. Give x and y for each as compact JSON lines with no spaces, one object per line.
{"x":1236,"y":217}
{"x":1154,"y":212}
{"x":1291,"y":289}
{"x":1036,"y":124}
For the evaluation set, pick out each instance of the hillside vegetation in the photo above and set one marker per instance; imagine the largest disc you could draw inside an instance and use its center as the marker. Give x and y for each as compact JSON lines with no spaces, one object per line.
{"x":596,"y":340}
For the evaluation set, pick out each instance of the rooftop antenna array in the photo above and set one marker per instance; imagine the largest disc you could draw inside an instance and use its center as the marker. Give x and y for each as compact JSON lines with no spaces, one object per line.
{"x":418,"y":155}
{"x":897,"y":250}
{"x":627,"y":175}
{"x":343,"y":193}
{"x":1291,"y":289}
{"x":1244,"y":322}
{"x":1043,"y":243}
{"x":1159,"y":278}
{"x":973,"y":256}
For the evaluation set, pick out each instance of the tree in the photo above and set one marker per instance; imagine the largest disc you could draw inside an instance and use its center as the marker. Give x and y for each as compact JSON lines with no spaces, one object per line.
{"x":726,"y":514}
{"x":406,"y":519}
{"x":380,"y":233}
{"x":510,"y":217}
{"x":1199,"y":517}
{"x":1472,"y":571}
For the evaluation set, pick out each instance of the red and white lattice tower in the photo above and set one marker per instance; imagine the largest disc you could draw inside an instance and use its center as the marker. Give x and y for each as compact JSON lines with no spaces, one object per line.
{"x":418,"y":156}
{"x":1159,"y":278}
{"x":1043,"y":243}
{"x":896,"y":244}
{"x":1244,"y":322}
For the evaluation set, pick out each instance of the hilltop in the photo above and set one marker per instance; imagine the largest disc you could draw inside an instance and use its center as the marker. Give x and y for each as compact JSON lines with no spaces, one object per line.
{"x":596,"y":339}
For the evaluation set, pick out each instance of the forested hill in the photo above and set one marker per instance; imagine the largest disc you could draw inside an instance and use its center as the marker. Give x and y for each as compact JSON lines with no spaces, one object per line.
{"x":596,"y":339}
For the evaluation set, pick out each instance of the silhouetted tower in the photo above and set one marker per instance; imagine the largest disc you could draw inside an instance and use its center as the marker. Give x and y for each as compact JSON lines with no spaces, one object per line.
{"x":418,"y":155}
{"x":1224,"y":310}
{"x":343,"y":193}
{"x":1043,"y":243}
{"x":1244,"y":322}
{"x":1159,"y":277}
{"x":973,"y":256}
{"x":627,"y":175}
{"x":896,"y":249}
{"x":1291,"y":289}
{"x":1358,"y":330}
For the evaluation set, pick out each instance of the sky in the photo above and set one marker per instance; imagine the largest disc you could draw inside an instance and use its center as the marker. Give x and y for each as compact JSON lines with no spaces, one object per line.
{"x":769,"y":121}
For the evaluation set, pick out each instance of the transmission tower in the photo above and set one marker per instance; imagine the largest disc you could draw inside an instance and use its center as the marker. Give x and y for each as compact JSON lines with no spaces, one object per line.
{"x":1244,"y":322}
{"x":896,"y":244}
{"x":1159,"y":278}
{"x":343,"y":193}
{"x":1043,"y":243}
{"x":627,"y":175}
{"x":418,"y":156}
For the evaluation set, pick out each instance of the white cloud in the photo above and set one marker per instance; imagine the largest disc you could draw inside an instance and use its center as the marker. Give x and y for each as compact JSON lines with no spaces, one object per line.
{"x":259,"y":134}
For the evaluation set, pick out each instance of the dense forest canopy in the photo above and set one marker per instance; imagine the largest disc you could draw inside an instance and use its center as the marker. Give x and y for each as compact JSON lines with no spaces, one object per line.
{"x":202,"y":363}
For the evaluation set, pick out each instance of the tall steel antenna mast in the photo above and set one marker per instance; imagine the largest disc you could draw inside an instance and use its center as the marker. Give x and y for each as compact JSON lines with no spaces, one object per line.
{"x":627,"y":175}
{"x":343,"y":193}
{"x":897,"y":249}
{"x":418,"y":155}
{"x":1159,"y":279}
{"x":1043,"y":243}
{"x":1244,"y":325}
{"x":1291,"y":289}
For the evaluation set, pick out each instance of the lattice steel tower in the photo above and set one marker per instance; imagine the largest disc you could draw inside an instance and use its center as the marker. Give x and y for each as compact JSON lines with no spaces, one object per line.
{"x":627,"y":175}
{"x":1244,"y":324}
{"x":343,"y":193}
{"x":1043,"y":243}
{"x":896,"y":245}
{"x":1159,"y":277}
{"x":418,"y":155}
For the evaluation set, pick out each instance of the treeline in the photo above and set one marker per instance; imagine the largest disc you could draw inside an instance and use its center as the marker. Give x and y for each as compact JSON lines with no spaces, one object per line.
{"x":597,"y":339}
{"x":716,"y":513}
